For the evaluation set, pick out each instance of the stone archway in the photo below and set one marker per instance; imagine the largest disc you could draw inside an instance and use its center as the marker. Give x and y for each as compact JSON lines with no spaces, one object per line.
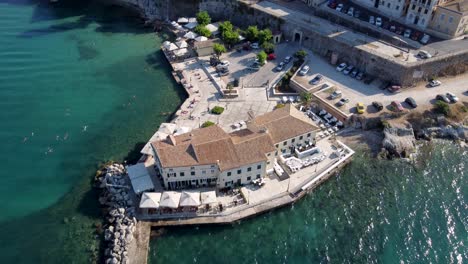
{"x":297,"y":36}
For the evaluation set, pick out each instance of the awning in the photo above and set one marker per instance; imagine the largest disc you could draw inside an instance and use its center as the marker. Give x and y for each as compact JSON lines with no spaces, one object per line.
{"x":140,"y":178}
{"x":182,"y":20}
{"x":170,"y":200}
{"x":191,"y":25}
{"x":208,"y":197}
{"x":201,"y":38}
{"x":190,"y":35}
{"x":150,"y":200}
{"x":190,"y":198}
{"x":180,"y":52}
{"x":182,"y":44}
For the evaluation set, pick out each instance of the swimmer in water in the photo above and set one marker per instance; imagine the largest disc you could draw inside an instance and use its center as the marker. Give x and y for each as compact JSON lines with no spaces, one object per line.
{"x":25,"y":139}
{"x":85,"y":128}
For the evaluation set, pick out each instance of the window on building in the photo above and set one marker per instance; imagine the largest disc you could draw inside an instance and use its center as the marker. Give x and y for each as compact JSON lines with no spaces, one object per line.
{"x":413,"y":7}
{"x":293,"y":140}
{"x":301,"y":137}
{"x":212,"y":166}
{"x":239,"y":171}
{"x":284,"y":143}
{"x":308,"y":135}
{"x":450,"y":19}
{"x":442,"y":17}
{"x":182,"y":174}
{"x":228,"y":173}
{"x":192,"y":173}
{"x":425,"y":11}
{"x":268,"y":162}
{"x":212,"y":171}
{"x":249,"y":169}
{"x":277,"y":146}
{"x":411,"y":16}
{"x":269,"y":154}
{"x":248,"y":178}
{"x":203,"y":172}
{"x":258,"y":176}
{"x":388,"y":5}
{"x":397,"y":7}
{"x":419,"y":10}
{"x":259,"y":167}
{"x":423,"y":21}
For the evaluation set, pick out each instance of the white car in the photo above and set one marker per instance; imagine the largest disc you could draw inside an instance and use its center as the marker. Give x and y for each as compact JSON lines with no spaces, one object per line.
{"x":341,"y":67}
{"x":425,"y":39}
{"x":280,"y":66}
{"x":378,"y":22}
{"x":304,"y":70}
{"x":348,"y":70}
{"x":372,"y":20}
{"x":351,"y":11}
{"x":224,"y":63}
{"x":336,"y":94}
{"x":424,"y":54}
{"x":339,"y":7}
{"x":407,"y":33}
{"x":453,"y":98}
{"x":434,"y":83}
{"x":254,"y":45}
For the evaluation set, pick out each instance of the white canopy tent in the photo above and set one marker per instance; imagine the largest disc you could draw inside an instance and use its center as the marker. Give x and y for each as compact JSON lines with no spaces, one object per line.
{"x":192,"y":19}
{"x":213,"y":28}
{"x":180,"y":52}
{"x":150,"y":200}
{"x":191,"y":25}
{"x":208,"y":197}
{"x":170,"y":199}
{"x":140,"y":178}
{"x":182,"y":20}
{"x":172,"y":47}
{"x":201,"y":38}
{"x":190,"y":35}
{"x":182,"y":44}
{"x":190,"y":198}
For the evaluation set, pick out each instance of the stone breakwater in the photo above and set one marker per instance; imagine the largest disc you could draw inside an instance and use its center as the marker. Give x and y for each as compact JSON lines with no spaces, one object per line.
{"x":120,"y":218}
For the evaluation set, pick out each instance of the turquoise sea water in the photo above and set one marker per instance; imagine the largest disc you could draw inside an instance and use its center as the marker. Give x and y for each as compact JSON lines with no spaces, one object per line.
{"x":78,"y":85}
{"x":372,"y":212}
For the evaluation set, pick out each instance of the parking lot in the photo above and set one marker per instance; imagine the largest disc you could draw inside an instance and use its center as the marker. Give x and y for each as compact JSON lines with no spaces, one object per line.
{"x":240,"y":61}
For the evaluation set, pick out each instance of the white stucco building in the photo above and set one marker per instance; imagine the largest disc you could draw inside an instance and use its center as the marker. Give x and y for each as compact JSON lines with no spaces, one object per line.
{"x":211,"y":157}
{"x":390,"y":8}
{"x":420,"y":12}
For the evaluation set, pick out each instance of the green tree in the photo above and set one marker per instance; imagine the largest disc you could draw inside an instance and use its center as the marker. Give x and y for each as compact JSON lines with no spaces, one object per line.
{"x":265,"y":35}
{"x":219,"y":49}
{"x":225,"y":26}
{"x":300,"y":54}
{"x":262,"y":56}
{"x":251,"y":33}
{"x":207,"y":124}
{"x":442,"y":107}
{"x":306,"y":98}
{"x":268,"y":47}
{"x":203,"y":31}
{"x":203,"y":18}
{"x":230,"y":37}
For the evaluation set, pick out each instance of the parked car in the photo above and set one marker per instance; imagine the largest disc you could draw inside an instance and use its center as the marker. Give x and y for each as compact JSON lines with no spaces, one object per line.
{"x":341,"y":67}
{"x":348,"y":70}
{"x":255,"y":66}
{"x":399,"y":30}
{"x":357,"y":14}
{"x":416,"y":35}
{"x":224,"y":63}
{"x":392,"y":28}
{"x":442,"y":98}
{"x":342,"y":101}
{"x":280,"y":66}
{"x":316,"y":79}
{"x":453,"y":98}
{"x":411,"y":102}
{"x":287,"y":59}
{"x":339,"y":7}
{"x":424,"y":54}
{"x":397,"y":106}
{"x":378,"y":22}
{"x":434,"y":83}
{"x":254,"y":45}
{"x":304,"y":70}
{"x":332,"y":5}
{"x":360,"y":76}
{"x":360,"y":108}
{"x":372,"y":20}
{"x":350,"y":11}
{"x":336,"y":94}
{"x":377,"y":105}
{"x":407,"y":33}
{"x":425,"y":39}
{"x":354,"y":73}
{"x":394,"y":88}
{"x":271,"y":56}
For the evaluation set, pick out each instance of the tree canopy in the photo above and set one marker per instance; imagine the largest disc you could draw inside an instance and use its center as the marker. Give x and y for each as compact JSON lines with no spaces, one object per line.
{"x":265,"y":35}
{"x":203,"y":31}
{"x":300,"y":54}
{"x":268,"y":47}
{"x":203,"y":18}
{"x":225,"y":26}
{"x":251,"y":33}
{"x":262,"y":56}
{"x":219,"y":49}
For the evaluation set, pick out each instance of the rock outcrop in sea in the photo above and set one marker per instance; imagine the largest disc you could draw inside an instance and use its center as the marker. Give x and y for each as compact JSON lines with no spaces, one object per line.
{"x":399,"y":141}
{"x":120,"y":213}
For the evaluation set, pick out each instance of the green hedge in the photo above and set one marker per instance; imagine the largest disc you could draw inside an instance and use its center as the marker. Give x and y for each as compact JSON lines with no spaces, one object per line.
{"x":207,"y":124}
{"x":217,"y":110}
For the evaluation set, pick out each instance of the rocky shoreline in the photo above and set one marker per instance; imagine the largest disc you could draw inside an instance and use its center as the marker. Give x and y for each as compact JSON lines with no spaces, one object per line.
{"x":119,"y":211}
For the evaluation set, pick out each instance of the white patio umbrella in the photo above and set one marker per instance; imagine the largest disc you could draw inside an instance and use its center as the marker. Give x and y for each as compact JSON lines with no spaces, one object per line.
{"x":181,"y":52}
{"x":190,"y":198}
{"x":172,"y":47}
{"x":170,"y":200}
{"x":208,"y":197}
{"x":201,"y":38}
{"x":190,"y":35}
{"x":182,"y":20}
{"x":150,"y":200}
{"x":182,"y":44}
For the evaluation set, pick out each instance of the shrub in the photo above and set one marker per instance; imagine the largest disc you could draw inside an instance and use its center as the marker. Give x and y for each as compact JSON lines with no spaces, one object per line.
{"x":219,"y":49}
{"x":251,"y":33}
{"x":262,"y":56}
{"x":207,"y":124}
{"x":279,"y":105}
{"x":442,"y":108}
{"x":300,"y":54}
{"x":268,"y":47}
{"x":229,"y":86}
{"x":217,"y":110}
{"x":265,"y":35}
{"x":203,"y":31}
